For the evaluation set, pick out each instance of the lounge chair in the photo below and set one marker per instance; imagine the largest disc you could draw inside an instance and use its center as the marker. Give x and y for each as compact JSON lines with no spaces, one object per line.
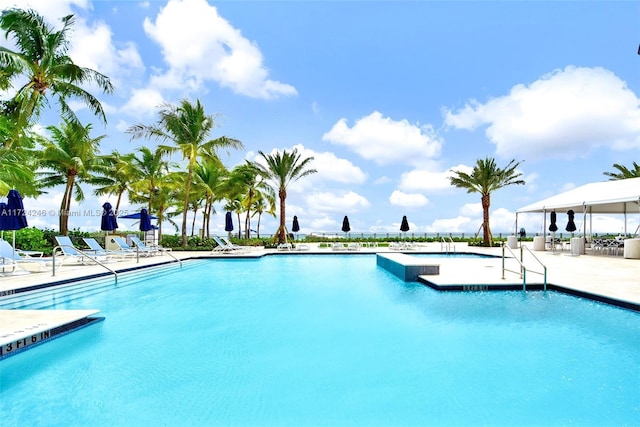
{"x":301,"y":247}
{"x":224,"y":247}
{"x":124,"y":246}
{"x":338,"y":247}
{"x":285,"y":247}
{"x":96,"y":249}
{"x":233,"y":245}
{"x":15,"y":258}
{"x":147,"y":246}
{"x":68,"y":250}
{"x":142,"y":247}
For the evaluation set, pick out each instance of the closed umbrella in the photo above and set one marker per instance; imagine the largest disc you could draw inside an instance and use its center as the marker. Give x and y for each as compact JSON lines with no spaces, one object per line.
{"x":571,"y":226}
{"x":296,"y":226}
{"x":108,"y":222}
{"x":345,"y":225}
{"x":404,"y":225}
{"x":145,"y":221}
{"x":14,"y":216}
{"x":228,"y":222}
{"x":553,"y":227}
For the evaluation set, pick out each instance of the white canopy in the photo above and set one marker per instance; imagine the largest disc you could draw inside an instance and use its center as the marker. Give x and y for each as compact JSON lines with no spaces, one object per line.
{"x":608,"y":197}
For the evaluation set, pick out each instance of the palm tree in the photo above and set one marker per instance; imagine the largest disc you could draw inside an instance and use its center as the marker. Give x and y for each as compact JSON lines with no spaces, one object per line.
{"x":624,"y":172}
{"x":117,"y":174}
{"x":212,"y":176}
{"x":486,"y":178}
{"x":188,"y":127}
{"x":249,"y":181}
{"x":284,"y":168}
{"x":69,"y":160}
{"x":42,"y":58}
{"x":264,"y":203}
{"x":150,"y":169}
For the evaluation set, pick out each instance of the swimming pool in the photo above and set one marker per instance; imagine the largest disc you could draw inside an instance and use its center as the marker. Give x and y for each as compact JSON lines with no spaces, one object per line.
{"x":308,"y":340}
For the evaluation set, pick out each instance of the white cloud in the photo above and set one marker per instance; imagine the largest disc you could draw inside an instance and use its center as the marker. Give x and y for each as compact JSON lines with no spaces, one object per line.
{"x":143,"y":102}
{"x":471,"y":209}
{"x":347,"y":203}
{"x":564,"y":114}
{"x":51,"y":10}
{"x":425,"y":180}
{"x":459,"y":224}
{"x":198,"y":44}
{"x":92,"y":47}
{"x":386,"y":141}
{"x":398,"y":198}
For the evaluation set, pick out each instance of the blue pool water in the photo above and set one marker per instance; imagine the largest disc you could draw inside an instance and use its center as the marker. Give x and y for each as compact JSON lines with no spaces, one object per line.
{"x":324,"y":340}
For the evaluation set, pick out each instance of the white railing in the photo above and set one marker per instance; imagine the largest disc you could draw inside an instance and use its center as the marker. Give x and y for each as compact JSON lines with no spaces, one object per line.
{"x":523,"y":268}
{"x":445,"y":246}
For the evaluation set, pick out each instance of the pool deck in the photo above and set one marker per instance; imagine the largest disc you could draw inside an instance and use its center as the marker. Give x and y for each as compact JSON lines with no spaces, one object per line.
{"x":603,"y":277}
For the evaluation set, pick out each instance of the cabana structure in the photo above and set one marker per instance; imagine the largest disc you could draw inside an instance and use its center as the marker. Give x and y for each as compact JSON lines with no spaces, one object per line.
{"x":607,"y":197}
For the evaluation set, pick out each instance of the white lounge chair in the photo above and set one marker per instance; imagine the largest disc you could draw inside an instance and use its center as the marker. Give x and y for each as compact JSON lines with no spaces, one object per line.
{"x":68,"y":249}
{"x":124,"y":246}
{"x":142,"y":247}
{"x":224,"y":247}
{"x":285,"y":247}
{"x":338,"y":247}
{"x":233,"y":245}
{"x":96,"y":249}
{"x":15,"y":258}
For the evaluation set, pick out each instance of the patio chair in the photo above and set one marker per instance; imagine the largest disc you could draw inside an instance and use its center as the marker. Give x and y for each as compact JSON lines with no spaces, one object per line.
{"x":68,"y":250}
{"x":233,"y":245}
{"x":15,"y":258}
{"x":124,"y":246}
{"x":143,"y":247}
{"x":96,"y":249}
{"x":224,"y":247}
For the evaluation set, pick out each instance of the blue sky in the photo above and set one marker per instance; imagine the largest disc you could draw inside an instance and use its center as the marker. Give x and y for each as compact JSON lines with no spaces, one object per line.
{"x":388,"y":97}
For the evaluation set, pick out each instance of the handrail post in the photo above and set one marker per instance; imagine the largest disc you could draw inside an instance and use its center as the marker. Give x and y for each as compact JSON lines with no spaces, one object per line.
{"x":503,"y":262}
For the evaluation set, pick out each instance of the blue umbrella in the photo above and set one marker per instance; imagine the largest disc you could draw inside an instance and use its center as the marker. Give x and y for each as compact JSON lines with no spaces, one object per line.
{"x":145,"y":221}
{"x":17,"y":218}
{"x":13,"y":214}
{"x":228,"y":222}
{"x":137,"y":215}
{"x":108,"y":222}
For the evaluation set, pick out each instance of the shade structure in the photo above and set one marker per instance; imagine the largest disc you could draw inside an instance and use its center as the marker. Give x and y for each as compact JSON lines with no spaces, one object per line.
{"x":345,"y":224}
{"x":553,"y":227}
{"x":571,"y":226}
{"x":145,"y":221}
{"x":108,"y":222}
{"x":296,"y":226}
{"x":228,"y":222}
{"x":404,"y":225}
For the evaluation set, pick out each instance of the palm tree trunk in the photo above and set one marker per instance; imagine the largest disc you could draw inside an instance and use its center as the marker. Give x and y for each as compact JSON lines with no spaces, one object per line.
{"x":281,"y":230}
{"x":247,"y":220}
{"x":486,"y":203}
{"x":185,"y":208}
{"x":258,"y":229}
{"x":66,"y":205}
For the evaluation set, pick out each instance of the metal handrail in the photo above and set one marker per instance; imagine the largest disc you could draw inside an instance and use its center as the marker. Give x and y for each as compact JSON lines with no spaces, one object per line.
{"x":444,"y":243}
{"x":523,"y":268}
{"x":83,"y":254}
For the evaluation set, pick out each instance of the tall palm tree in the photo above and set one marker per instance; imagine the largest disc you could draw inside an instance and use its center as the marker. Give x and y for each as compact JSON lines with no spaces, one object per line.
{"x":42,"y":58}
{"x":188,"y":128}
{"x":150,"y":168}
{"x":212,"y":176}
{"x":117,"y":174}
{"x":624,"y":172}
{"x":284,"y":168}
{"x":69,"y":159}
{"x":486,"y":178}
{"x":250,"y":181}
{"x":264,"y":203}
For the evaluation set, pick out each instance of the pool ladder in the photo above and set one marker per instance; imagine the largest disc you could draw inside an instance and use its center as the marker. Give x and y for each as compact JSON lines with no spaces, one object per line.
{"x":523,"y":268}
{"x":445,"y":246}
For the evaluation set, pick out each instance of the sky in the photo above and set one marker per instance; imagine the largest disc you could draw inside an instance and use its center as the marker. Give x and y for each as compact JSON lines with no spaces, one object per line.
{"x":388,"y":97}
